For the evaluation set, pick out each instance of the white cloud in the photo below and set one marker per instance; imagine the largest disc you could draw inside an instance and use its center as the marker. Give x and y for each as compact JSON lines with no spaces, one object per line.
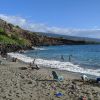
{"x":24,"y":23}
{"x":14,"y":19}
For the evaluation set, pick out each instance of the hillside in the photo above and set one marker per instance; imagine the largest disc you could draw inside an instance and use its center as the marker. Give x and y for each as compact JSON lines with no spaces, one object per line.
{"x":14,"y":38}
{"x":75,"y":38}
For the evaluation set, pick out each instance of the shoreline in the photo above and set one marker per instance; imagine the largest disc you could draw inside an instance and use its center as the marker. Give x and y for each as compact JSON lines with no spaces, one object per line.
{"x":64,"y":66}
{"x":70,"y":73}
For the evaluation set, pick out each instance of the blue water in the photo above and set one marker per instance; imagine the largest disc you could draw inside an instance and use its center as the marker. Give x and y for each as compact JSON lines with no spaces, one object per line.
{"x":87,"y":56}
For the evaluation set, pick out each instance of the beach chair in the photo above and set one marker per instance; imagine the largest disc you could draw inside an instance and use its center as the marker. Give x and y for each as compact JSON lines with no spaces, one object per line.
{"x":56,"y":77}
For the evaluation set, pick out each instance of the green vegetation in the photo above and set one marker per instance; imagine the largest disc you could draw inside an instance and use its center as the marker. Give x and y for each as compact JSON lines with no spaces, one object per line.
{"x":14,"y":39}
{"x":22,"y":41}
{"x":1,"y":30}
{"x":7,"y":40}
{"x":17,"y":26}
{"x":19,"y":40}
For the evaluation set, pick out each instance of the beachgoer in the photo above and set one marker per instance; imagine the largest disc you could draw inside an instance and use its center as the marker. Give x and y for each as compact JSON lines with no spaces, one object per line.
{"x":14,"y":59}
{"x":69,"y":58}
{"x":62,"y":58}
{"x":33,"y":62}
{"x":37,"y":67}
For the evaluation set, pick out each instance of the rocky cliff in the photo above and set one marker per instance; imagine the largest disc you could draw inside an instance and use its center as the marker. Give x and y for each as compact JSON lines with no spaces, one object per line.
{"x":14,"y":38}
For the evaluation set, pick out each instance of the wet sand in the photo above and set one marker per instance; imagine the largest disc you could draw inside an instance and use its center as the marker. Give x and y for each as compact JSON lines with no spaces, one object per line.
{"x":19,"y":82}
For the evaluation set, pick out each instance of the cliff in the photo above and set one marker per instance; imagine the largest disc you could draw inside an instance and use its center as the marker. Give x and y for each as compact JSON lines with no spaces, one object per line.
{"x":14,"y":38}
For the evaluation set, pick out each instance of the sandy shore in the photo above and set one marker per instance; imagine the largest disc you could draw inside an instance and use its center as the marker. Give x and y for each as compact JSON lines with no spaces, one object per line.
{"x":17,"y":83}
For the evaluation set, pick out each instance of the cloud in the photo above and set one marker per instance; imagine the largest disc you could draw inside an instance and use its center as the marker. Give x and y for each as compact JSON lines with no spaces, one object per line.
{"x":14,"y":20}
{"x":38,"y":27}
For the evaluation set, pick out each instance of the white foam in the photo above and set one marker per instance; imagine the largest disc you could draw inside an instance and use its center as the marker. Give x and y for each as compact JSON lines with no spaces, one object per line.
{"x":56,"y":64}
{"x":36,"y":48}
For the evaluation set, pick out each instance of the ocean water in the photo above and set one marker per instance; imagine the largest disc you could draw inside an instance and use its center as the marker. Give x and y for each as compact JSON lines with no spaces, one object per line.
{"x":83,"y":58}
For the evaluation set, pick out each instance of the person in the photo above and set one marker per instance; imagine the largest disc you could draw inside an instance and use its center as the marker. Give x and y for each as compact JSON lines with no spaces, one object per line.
{"x":33,"y":65}
{"x":14,"y":59}
{"x":33,"y":62}
{"x":62,"y":58}
{"x":37,"y":67}
{"x":69,"y":58}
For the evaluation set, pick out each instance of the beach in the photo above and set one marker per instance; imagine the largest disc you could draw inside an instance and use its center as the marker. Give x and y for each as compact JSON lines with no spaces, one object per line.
{"x":19,"y":82}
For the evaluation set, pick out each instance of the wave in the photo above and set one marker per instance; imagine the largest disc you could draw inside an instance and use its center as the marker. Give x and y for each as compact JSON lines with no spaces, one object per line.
{"x":35,"y":48}
{"x":56,"y":64}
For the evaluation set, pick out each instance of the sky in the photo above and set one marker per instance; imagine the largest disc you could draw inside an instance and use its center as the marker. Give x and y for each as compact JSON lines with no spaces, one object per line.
{"x":68,"y":17}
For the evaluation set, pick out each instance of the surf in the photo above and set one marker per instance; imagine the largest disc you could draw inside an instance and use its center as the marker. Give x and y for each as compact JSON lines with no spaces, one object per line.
{"x":68,"y":66}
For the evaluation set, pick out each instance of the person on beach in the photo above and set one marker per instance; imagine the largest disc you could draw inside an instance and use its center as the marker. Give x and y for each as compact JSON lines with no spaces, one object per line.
{"x":14,"y":59}
{"x":37,"y":67}
{"x":33,"y":62}
{"x":33,"y":65}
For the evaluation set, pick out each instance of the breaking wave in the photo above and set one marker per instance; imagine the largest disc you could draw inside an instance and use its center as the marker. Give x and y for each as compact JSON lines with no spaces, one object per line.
{"x":56,"y":64}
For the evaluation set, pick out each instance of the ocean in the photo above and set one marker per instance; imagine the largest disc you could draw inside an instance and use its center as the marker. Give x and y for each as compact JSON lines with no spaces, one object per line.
{"x":76,"y":58}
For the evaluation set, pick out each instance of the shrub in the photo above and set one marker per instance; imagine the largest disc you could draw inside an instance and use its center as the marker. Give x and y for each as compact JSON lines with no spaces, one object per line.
{"x":7,"y":40}
{"x":22,"y":41}
{"x":1,"y":30}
